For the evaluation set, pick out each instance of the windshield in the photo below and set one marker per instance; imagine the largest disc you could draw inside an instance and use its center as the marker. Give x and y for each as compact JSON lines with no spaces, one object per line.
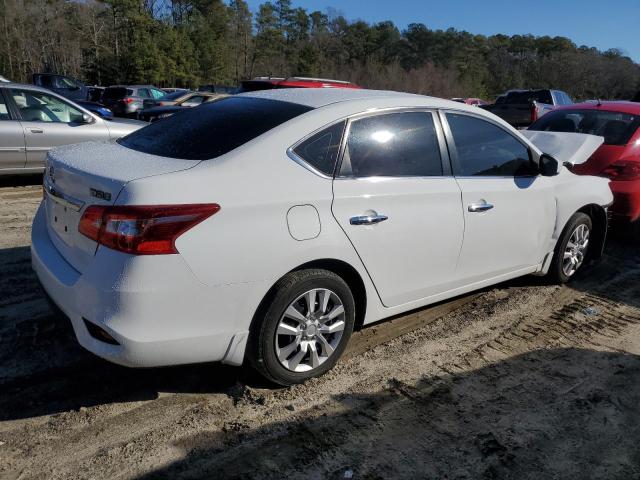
{"x":616,"y":127}
{"x":212,"y":129}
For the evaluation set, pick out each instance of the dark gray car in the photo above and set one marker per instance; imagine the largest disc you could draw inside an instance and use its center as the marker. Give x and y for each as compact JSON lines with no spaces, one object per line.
{"x":34,"y":120}
{"x":126,"y":100}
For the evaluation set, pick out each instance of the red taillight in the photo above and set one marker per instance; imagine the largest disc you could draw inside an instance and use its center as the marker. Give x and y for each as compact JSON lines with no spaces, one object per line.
{"x":127,"y":100}
{"x":622,"y":170}
{"x":142,"y":230}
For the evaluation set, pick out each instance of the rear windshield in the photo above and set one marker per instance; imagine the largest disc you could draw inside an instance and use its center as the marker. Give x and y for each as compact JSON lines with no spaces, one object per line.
{"x":212,"y":129}
{"x":616,"y":127}
{"x":116,"y":92}
{"x":540,"y":96}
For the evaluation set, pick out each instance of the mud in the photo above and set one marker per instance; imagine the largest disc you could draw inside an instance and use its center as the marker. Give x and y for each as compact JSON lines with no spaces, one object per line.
{"x":525,"y":381}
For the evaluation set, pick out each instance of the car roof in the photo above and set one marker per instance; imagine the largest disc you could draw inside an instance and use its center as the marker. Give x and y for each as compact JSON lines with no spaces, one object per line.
{"x":26,"y":86}
{"x":621,"y":106}
{"x":321,"y":97}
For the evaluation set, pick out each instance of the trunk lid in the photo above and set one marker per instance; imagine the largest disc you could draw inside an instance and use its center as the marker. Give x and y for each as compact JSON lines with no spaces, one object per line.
{"x":574,"y":148}
{"x":94,"y":173}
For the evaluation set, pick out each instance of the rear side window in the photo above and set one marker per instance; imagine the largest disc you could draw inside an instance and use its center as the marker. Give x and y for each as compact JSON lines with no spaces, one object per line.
{"x":321,"y":150}
{"x":116,"y":92}
{"x":484,"y":149}
{"x":393,"y":145}
{"x":540,"y":96}
{"x":212,"y":129}
{"x":617,"y":128}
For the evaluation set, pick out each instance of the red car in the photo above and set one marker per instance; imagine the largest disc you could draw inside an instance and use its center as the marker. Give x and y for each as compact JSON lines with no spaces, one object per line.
{"x":618,"y":158}
{"x":267,"y":83}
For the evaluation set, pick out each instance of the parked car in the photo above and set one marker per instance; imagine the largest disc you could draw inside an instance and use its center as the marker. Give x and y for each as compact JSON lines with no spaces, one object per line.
{"x":269,"y":83}
{"x":167,"y":99}
{"x":211,"y":88}
{"x":618,"y":159}
{"x":174,"y":90}
{"x":97,"y":108}
{"x":220,"y":234}
{"x":126,"y":100}
{"x":35,"y":119}
{"x":192,"y":99}
{"x":68,"y":87}
{"x":4,"y":80}
{"x":470,"y":101}
{"x":521,"y":108}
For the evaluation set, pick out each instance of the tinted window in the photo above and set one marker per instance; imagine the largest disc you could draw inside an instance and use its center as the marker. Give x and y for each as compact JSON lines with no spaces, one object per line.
{"x":540,"y":96}
{"x":616,"y":127}
{"x":393,"y":145}
{"x":212,"y":129}
{"x":321,"y":149}
{"x":116,"y":92}
{"x":144,"y":93}
{"x":486,"y":149}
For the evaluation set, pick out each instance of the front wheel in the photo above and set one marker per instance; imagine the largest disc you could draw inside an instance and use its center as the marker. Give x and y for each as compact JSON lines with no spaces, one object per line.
{"x":305,"y":327}
{"x":572,"y":248}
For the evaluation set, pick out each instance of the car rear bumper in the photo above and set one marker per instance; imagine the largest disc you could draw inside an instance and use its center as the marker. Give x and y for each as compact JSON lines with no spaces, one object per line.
{"x":154,"y":308}
{"x":626,"y":203}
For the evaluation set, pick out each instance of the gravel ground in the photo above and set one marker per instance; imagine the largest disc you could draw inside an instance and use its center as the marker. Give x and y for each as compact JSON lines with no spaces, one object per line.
{"x":523,"y":381}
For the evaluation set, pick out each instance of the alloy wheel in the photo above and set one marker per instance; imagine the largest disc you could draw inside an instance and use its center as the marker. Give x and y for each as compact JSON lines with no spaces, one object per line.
{"x":576,"y":250}
{"x":310,"y":330}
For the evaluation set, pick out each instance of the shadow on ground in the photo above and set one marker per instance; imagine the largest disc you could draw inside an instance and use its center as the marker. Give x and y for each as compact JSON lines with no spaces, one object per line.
{"x":567,"y":413}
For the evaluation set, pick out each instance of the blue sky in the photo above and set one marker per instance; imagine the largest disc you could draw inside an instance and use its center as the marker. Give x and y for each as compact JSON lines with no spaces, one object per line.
{"x":598,"y":23}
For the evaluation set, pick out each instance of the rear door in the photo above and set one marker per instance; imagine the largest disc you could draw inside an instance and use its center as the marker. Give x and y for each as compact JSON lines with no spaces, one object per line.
{"x":12,"y":148}
{"x":49,"y":121}
{"x":396,"y":201}
{"x":509,"y":209}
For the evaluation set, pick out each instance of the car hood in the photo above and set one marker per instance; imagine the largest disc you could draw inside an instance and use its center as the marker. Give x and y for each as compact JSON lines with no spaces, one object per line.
{"x":574,"y":148}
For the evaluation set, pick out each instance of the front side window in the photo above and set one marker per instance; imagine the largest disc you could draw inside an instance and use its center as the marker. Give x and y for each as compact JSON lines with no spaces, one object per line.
{"x":212,"y":129}
{"x":157,"y":93}
{"x":393,"y":145}
{"x":321,"y":150}
{"x":484,"y":149}
{"x":40,"y":107}
{"x":193,"y":101}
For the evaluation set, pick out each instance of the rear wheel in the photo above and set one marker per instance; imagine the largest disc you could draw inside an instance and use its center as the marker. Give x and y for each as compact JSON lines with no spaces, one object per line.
{"x":572,"y":248}
{"x":305,"y":327}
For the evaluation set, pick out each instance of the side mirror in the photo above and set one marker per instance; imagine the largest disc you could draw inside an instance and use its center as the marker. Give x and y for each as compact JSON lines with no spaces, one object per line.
{"x":86,"y":118}
{"x":549,"y":166}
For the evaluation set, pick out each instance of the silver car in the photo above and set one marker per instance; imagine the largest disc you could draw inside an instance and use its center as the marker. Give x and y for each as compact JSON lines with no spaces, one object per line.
{"x":34,"y":120}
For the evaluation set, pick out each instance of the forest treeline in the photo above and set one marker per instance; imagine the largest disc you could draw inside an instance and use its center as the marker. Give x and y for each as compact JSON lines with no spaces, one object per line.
{"x":190,"y":42}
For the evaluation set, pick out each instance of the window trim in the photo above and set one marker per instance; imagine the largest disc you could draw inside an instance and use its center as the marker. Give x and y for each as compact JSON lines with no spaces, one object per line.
{"x":303,"y":163}
{"x":444,"y":154}
{"x":453,"y":153}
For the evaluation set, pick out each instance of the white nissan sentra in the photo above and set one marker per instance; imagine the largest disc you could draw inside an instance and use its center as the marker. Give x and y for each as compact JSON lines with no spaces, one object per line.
{"x":265,"y":227}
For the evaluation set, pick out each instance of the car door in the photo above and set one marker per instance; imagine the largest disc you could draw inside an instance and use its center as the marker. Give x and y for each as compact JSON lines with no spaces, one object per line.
{"x":399,"y":206}
{"x":509,"y":209}
{"x":12,"y":148}
{"x":49,"y":121}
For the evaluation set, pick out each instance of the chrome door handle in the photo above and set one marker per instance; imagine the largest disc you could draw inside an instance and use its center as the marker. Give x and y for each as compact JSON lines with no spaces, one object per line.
{"x":480,"y":207}
{"x":367,"y":219}
{"x":37,"y":130}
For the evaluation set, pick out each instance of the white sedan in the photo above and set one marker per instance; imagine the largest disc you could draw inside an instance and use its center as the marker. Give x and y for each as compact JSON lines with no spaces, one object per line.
{"x":265,"y":227}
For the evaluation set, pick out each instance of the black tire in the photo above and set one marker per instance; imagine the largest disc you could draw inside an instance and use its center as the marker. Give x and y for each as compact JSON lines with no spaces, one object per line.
{"x":556,"y":273}
{"x":261,"y":351}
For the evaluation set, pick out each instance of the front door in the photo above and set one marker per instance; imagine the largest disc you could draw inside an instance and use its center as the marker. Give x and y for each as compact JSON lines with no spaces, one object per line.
{"x":398,"y":205}
{"x":509,"y":209}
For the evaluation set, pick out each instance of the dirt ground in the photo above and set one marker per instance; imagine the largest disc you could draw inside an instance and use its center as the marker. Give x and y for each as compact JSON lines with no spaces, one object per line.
{"x":523,"y":381}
